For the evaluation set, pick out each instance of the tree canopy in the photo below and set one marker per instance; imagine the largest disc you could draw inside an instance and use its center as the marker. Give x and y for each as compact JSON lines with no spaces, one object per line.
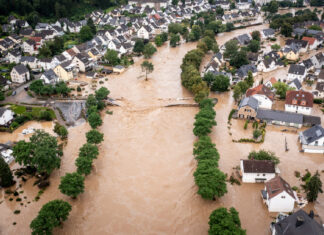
{"x":224,"y":222}
{"x":41,"y":152}
{"x":6,"y":178}
{"x":148,"y":50}
{"x":264,"y":155}
{"x":312,"y":186}
{"x":94,"y":137}
{"x":51,"y":215}
{"x":147,"y":67}
{"x":72,"y":184}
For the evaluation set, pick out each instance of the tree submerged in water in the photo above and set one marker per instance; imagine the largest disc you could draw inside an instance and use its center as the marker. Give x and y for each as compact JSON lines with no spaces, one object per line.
{"x":147,"y":67}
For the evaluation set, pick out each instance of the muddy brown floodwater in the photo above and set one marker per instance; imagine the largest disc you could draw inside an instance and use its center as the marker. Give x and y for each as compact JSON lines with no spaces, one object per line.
{"x":142,"y":182}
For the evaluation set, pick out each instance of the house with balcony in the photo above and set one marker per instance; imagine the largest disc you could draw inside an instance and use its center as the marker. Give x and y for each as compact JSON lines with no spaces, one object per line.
{"x":312,"y":140}
{"x":278,"y":195}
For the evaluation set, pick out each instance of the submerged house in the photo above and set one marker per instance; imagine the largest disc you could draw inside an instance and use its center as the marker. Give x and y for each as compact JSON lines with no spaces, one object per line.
{"x":282,"y":118}
{"x":312,"y":140}
{"x":257,"y":171}
{"x":278,"y":195}
{"x":248,"y":108}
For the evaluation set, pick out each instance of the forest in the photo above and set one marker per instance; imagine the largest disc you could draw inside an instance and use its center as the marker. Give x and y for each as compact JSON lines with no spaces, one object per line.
{"x":33,"y":10}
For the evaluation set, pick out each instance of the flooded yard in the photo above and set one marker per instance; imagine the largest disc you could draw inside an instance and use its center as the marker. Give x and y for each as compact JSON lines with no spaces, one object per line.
{"x":142,"y":182}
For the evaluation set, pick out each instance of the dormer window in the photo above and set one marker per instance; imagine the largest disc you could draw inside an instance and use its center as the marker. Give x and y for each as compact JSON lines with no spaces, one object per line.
{"x":303,"y":102}
{"x":294,"y":101}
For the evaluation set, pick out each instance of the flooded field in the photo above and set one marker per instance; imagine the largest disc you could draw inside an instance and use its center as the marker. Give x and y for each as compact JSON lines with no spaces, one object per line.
{"x":142,"y":182}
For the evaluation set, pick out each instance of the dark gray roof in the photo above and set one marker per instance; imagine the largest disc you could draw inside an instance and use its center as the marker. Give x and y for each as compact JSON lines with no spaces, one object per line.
{"x":244,"y":70}
{"x":320,"y":86}
{"x":21,"y":69}
{"x":289,"y":225}
{"x":258,"y":166}
{"x":297,"y":83}
{"x":268,"y":32}
{"x":282,"y":116}
{"x":312,"y":134}
{"x":297,"y":69}
{"x":28,"y":59}
{"x":243,"y":39}
{"x":249,"y":101}
{"x":50,"y":75}
{"x":311,"y":120}
{"x":308,"y":63}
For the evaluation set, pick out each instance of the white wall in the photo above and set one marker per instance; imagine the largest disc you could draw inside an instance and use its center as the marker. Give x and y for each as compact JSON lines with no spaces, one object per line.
{"x":283,"y":202}
{"x":6,"y":117}
{"x":264,"y":101}
{"x":298,"y":109}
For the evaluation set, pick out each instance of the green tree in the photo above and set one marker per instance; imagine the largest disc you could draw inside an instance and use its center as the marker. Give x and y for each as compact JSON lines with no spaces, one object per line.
{"x":221,"y":83}
{"x":313,"y":187}
{"x":112,"y":57}
{"x":92,"y":26}
{"x":89,"y":151}
{"x":51,"y":215}
{"x":174,"y":28}
{"x":61,"y":130}
{"x":229,"y":27}
{"x":91,"y":101}
{"x":273,"y":7}
{"x":6,"y":178}
{"x":86,"y":33}
{"x":239,"y":59}
{"x":158,"y":41}
{"x":264,"y":155}
{"x":164,"y":37}
{"x":204,"y":149}
{"x":147,"y":67}
{"x":72,"y":184}
{"x":139,"y":46}
{"x":286,"y":29}
{"x":256,"y":35}
{"x":254,"y":46}
{"x":209,"y":78}
{"x":249,"y":80}
{"x":36,"y":86}
{"x":203,"y":126}
{"x":281,"y":89}
{"x":231,"y":48}
{"x":94,"y":119}
{"x":300,"y":3}
{"x":102,"y":93}
{"x":210,"y":180}
{"x":41,"y":152}
{"x":174,"y":40}
{"x":210,"y":42}
{"x":315,"y":27}
{"x":149,"y":50}
{"x":175,"y":2}
{"x":84,"y":165}
{"x":219,"y":11}
{"x":94,"y":137}
{"x":222,"y":221}
{"x":195,"y":33}
{"x":275,"y":47}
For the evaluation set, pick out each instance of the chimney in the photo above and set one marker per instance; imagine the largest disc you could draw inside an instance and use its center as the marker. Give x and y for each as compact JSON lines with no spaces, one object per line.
{"x":300,"y":221}
{"x":311,"y":214}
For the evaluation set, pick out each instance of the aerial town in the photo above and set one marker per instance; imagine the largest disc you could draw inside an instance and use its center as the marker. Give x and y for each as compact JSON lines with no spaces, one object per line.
{"x":162,"y":117}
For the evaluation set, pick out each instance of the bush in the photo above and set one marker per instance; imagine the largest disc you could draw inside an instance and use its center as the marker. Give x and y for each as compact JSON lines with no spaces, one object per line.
{"x":318,"y":101}
{"x":246,"y":124}
{"x":231,"y":114}
{"x":257,"y":133}
{"x":94,"y":137}
{"x":264,"y":155}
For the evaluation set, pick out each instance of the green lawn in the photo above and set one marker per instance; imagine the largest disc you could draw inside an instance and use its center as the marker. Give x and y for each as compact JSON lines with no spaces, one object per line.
{"x":110,"y":9}
{"x":18,"y":109}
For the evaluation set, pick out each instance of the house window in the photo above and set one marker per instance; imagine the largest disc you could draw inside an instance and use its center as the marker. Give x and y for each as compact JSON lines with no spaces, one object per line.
{"x":264,"y":174}
{"x":283,"y":197}
{"x":258,"y":174}
{"x":316,"y":143}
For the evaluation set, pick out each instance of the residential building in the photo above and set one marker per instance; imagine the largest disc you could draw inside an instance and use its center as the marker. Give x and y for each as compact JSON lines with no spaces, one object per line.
{"x":263,"y":94}
{"x":29,"y":46}
{"x":296,"y":71}
{"x":295,"y":84}
{"x":144,"y":32}
{"x":19,"y":74}
{"x":83,"y":62}
{"x":49,"y":77}
{"x":299,"y":102}
{"x":318,"y":60}
{"x":282,"y":118}
{"x":248,"y":108}
{"x":6,"y":116}
{"x":278,"y":195}
{"x":312,"y":140}
{"x":268,"y":33}
{"x":66,"y":71}
{"x":257,"y":171}
{"x":270,"y":82}
{"x":298,"y":223}
{"x":312,"y":42}
{"x":319,"y":90}
{"x":14,"y":56}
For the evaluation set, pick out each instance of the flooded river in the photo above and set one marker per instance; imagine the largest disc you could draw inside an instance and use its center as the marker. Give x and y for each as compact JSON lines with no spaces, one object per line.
{"x":142,"y":182}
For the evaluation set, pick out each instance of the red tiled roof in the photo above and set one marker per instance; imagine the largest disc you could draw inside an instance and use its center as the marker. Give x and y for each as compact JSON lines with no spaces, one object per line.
{"x":261,"y":90}
{"x":277,"y":185}
{"x":309,"y":40}
{"x":300,"y":98}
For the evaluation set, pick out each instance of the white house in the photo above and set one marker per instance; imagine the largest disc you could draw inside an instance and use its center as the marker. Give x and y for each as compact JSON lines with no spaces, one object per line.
{"x":83,"y":62}
{"x":14,"y":56}
{"x":278,"y":195}
{"x":257,"y":171}
{"x":144,"y":32}
{"x":318,"y":60}
{"x":19,"y":74}
{"x":49,"y":77}
{"x":295,"y":84}
{"x":299,"y":102}
{"x":263,"y":94}
{"x":6,"y":116}
{"x":296,"y":71}
{"x":312,"y":140}
{"x":267,"y":33}
{"x":29,"y":46}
